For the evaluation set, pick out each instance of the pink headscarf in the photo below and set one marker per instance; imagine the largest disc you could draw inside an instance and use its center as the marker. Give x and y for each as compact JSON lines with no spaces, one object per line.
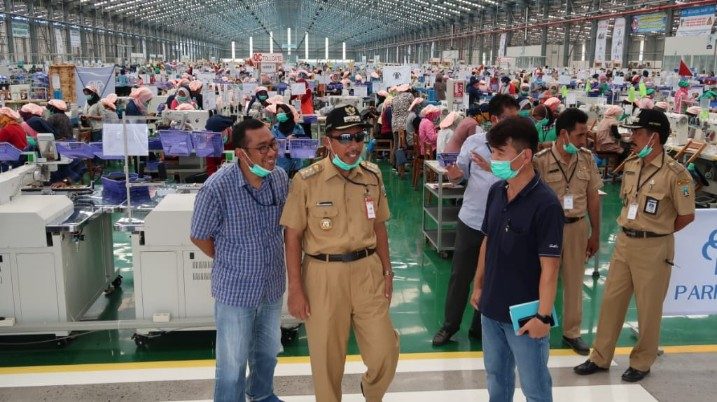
{"x":613,"y":111}
{"x":33,"y":109}
{"x":141,"y":96}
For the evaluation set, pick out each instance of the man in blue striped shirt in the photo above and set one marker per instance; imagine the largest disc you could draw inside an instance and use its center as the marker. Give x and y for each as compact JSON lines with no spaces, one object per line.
{"x":236,"y":222}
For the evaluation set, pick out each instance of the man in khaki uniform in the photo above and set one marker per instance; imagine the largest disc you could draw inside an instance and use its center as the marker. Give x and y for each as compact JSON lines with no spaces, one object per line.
{"x":658,"y":200}
{"x":570,"y":170}
{"x":336,"y":213}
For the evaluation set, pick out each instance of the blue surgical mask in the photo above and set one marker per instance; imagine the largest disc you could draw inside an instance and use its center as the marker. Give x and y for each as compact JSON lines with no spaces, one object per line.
{"x":182,"y":99}
{"x":282,"y":117}
{"x":262,"y":97}
{"x":570,"y":148}
{"x":647,"y":149}
{"x":256,"y":169}
{"x":503,"y":170}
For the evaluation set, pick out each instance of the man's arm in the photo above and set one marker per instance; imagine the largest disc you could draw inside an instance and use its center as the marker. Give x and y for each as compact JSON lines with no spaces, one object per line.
{"x":206,"y":245}
{"x":683,"y":220}
{"x":384,"y":256}
{"x":594,"y":214}
{"x":480,"y":274}
{"x":298,"y":304}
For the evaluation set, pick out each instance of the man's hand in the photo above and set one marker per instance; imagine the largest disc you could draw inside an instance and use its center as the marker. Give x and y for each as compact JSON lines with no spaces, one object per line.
{"x":388,"y":293}
{"x":298,"y":304}
{"x":535,"y":329}
{"x":593,"y":246}
{"x":480,"y":161}
{"x":453,"y":172}
{"x":475,"y":297}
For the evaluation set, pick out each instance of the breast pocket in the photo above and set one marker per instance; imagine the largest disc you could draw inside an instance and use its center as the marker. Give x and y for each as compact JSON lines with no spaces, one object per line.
{"x":514,"y":238}
{"x":323,"y":219}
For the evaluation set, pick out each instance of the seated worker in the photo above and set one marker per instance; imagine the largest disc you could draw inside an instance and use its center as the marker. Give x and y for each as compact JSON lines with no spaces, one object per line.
{"x":219,"y":124}
{"x":287,"y":128}
{"x":10,"y":129}
{"x":544,"y":122}
{"x":58,"y":120}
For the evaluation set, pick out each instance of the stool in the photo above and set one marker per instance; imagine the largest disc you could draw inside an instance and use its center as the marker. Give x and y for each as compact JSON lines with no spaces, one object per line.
{"x":384,"y":145}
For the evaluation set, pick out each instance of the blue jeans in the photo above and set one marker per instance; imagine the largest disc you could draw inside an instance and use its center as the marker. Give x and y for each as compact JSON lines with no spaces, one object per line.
{"x":502,"y":350}
{"x":244,"y":335}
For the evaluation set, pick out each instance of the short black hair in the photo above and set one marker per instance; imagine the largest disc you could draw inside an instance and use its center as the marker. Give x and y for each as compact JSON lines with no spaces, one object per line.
{"x":239,"y":131}
{"x":519,"y":130}
{"x":569,"y":118}
{"x":500,"y":102}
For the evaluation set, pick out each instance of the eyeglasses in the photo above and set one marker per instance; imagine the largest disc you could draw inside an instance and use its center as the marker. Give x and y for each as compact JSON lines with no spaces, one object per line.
{"x":346,"y":138}
{"x":264,"y":149}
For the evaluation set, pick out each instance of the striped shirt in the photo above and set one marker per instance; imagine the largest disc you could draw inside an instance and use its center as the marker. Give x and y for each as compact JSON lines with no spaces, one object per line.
{"x":249,"y":267}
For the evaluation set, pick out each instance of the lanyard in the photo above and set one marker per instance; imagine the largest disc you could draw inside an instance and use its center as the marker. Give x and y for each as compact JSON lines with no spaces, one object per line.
{"x":567,"y":179}
{"x":273,"y":196}
{"x":639,"y":186}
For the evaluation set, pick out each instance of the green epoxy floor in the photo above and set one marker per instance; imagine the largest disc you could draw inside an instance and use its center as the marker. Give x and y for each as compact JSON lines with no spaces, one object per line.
{"x":417,"y":309}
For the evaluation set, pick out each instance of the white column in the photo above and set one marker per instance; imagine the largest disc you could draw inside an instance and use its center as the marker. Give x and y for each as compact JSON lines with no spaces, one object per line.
{"x":288,"y":40}
{"x":326,"y":48}
{"x":271,"y":42}
{"x":251,"y":46}
{"x":343,"y":51}
{"x":306,"y":45}
{"x":234,"y":51}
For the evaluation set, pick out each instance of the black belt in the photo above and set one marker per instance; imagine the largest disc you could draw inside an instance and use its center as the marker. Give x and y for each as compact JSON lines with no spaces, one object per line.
{"x":573,"y":220}
{"x":640,"y":234}
{"x":349,"y":257}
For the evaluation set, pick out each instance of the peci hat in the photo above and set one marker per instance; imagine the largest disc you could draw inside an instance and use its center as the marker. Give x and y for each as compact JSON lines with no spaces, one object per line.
{"x":342,"y":117}
{"x":650,"y":119}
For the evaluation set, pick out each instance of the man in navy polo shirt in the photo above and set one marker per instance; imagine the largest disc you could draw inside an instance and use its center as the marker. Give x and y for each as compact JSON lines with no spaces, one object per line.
{"x":518,"y":263}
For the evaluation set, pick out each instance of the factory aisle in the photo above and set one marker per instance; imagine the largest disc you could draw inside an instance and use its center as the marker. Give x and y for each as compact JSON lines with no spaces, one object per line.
{"x":178,"y":365}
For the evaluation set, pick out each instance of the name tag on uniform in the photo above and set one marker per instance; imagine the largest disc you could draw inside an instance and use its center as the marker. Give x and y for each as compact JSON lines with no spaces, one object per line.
{"x":632,"y":211}
{"x":568,"y":201}
{"x":370,"y":210}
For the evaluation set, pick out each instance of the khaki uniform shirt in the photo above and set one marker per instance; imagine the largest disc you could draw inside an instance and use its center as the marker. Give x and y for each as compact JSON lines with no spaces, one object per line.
{"x":575,"y":178}
{"x":657,"y":193}
{"x":331,"y":211}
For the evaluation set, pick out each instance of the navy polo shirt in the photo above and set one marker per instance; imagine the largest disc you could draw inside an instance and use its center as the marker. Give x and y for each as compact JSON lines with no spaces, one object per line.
{"x":518,"y":232}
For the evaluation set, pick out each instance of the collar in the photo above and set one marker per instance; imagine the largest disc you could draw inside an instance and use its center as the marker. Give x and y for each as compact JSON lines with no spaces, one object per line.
{"x":532,"y":184}
{"x":657,"y":162}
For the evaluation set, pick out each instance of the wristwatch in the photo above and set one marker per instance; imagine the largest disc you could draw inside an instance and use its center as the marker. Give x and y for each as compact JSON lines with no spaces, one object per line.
{"x":545,"y":319}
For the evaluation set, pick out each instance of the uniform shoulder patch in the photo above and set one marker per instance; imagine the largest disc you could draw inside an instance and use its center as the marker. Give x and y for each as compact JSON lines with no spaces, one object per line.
{"x":311,"y":170}
{"x":371,"y":166}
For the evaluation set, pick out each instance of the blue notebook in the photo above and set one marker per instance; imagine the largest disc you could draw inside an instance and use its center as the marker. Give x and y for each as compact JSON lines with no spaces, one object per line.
{"x":520,"y":311}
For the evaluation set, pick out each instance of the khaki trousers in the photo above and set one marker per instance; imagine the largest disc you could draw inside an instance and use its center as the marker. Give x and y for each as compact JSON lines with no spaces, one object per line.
{"x":572,"y":272}
{"x":343,"y":296}
{"x":638,"y":265}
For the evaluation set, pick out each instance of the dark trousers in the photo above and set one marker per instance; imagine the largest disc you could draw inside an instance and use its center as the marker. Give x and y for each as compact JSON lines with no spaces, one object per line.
{"x":465,"y":261}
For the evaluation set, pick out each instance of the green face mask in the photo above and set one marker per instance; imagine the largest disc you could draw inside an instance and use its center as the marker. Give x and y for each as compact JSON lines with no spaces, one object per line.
{"x":524,"y":113}
{"x":282,"y":117}
{"x":647,"y":149}
{"x":503,"y":170}
{"x":541,"y":123}
{"x":256,"y":169}
{"x":570,"y":148}
{"x":343,"y":165}
{"x":262,"y":97}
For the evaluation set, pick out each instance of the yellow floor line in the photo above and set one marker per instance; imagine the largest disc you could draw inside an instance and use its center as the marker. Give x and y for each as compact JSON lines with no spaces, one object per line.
{"x":622,"y":351}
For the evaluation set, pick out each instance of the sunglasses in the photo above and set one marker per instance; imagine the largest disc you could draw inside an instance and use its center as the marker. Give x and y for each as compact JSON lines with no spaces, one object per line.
{"x":346,"y":138}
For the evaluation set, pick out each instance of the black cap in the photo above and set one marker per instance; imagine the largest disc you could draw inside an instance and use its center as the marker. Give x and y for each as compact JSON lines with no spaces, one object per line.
{"x":344,"y":116}
{"x":649,"y":119}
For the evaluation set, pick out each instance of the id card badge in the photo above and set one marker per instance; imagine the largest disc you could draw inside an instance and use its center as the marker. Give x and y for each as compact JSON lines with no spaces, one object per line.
{"x":568,"y":201}
{"x":370,"y":210}
{"x":632,"y":211}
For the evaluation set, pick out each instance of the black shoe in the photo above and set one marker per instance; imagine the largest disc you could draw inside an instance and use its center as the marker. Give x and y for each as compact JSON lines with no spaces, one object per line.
{"x":578,"y":345}
{"x":634,"y":375}
{"x":588,"y":368}
{"x":442,"y":337}
{"x":475,"y":333}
